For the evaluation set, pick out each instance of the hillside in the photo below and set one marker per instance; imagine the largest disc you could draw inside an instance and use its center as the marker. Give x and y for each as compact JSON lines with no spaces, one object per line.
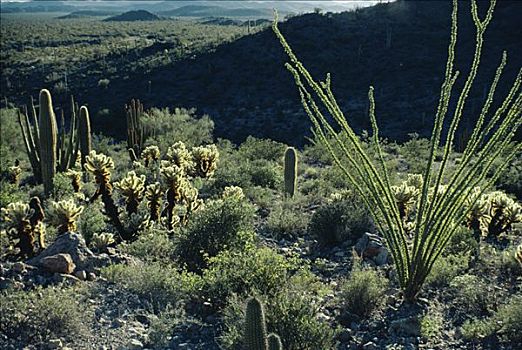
{"x":130,"y":16}
{"x":86,"y":14}
{"x":244,"y":86}
{"x":208,"y":11}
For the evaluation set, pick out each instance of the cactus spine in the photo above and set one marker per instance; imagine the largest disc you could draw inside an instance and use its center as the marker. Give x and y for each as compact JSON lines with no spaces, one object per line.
{"x":84,"y":133}
{"x":48,"y":140}
{"x":255,"y":328}
{"x":290,"y":172}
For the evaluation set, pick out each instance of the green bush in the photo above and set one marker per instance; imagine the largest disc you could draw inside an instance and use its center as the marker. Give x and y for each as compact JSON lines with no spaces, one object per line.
{"x":285,"y":221}
{"x":473,"y":296}
{"x":34,"y":317}
{"x":162,"y":326}
{"x":340,"y":220}
{"x":506,"y":323}
{"x":446,"y":269}
{"x":432,"y":323}
{"x":254,"y":149}
{"x":363,"y":291}
{"x":291,"y":313}
{"x":92,"y":221}
{"x":222,"y":224}
{"x":160,"y":284}
{"x":263,"y":173}
{"x":151,"y":245}
{"x":246,"y":272}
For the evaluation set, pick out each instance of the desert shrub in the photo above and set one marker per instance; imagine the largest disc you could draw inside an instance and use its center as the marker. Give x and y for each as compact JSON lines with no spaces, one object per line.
{"x":263,"y":173}
{"x":221,"y":224}
{"x":62,"y":187}
{"x":45,"y":313}
{"x":246,"y":272}
{"x":511,"y":180}
{"x":162,"y":326}
{"x":253,"y":149}
{"x":506,"y":323}
{"x":292,"y":314}
{"x":363,"y":291}
{"x":416,"y":152}
{"x":462,"y":242}
{"x":339,"y":220}
{"x":508,"y":263}
{"x":473,"y":296}
{"x":446,"y":269}
{"x":92,"y":221}
{"x":432,"y":323}
{"x":161,"y":285}
{"x":151,"y":245}
{"x":286,"y":221}
{"x":9,"y":193}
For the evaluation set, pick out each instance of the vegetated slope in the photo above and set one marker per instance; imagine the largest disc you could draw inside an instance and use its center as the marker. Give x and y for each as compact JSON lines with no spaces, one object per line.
{"x":207,"y":11}
{"x":86,"y":13}
{"x":138,"y":15}
{"x":400,"y":48}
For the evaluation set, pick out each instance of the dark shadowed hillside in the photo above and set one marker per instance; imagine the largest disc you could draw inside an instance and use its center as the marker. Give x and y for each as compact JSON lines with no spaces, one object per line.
{"x":400,"y":48}
{"x":138,"y":15}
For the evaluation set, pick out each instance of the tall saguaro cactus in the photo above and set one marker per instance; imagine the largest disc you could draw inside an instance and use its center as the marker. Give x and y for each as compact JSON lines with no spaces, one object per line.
{"x":255,"y":328}
{"x":290,"y":171}
{"x":48,"y":140}
{"x":84,"y":133}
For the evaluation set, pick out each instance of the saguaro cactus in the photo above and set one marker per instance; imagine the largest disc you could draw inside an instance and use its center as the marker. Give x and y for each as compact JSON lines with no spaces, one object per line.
{"x":290,"y":171}
{"x":84,"y":133}
{"x":274,"y":342}
{"x":48,"y":140}
{"x":255,"y":328}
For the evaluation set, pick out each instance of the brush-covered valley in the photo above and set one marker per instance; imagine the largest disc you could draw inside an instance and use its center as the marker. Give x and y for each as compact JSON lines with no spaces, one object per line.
{"x":219,"y":175}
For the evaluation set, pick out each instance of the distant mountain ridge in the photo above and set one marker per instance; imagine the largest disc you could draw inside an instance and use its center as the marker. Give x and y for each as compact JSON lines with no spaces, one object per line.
{"x":131,"y":16}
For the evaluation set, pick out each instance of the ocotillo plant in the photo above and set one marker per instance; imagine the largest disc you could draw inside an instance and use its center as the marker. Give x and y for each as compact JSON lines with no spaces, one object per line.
{"x":290,"y":171}
{"x":48,"y":140}
{"x":438,"y":214}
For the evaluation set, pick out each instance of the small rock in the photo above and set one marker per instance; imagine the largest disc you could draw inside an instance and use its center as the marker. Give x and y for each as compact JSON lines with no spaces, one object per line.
{"x":135,"y":344}
{"x":91,"y":276}
{"x":64,"y":278}
{"x":81,"y":275}
{"x":60,"y":263}
{"x":55,"y":344}
{"x":370,"y":346}
{"x":408,"y":326}
{"x":18,"y":267}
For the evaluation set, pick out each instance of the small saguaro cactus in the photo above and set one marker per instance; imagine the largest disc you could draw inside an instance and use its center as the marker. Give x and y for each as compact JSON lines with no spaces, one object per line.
{"x":64,"y":214}
{"x":84,"y":133}
{"x":255,"y":327}
{"x":17,"y":217}
{"x":274,"y":342}
{"x":205,"y":160}
{"x":132,"y":187}
{"x":290,"y":171}
{"x":48,"y":140}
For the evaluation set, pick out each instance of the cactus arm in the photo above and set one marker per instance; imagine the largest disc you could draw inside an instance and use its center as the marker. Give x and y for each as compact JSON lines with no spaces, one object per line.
{"x":84,"y":133}
{"x":30,"y":147}
{"x":34,"y":117}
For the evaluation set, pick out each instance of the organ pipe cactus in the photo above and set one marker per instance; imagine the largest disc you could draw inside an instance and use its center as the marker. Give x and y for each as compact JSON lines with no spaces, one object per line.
{"x":290,"y":171}
{"x":100,"y":166}
{"x":136,"y":131}
{"x":205,"y":159}
{"x":48,"y":140}
{"x":153,"y":194}
{"x":64,"y":214}
{"x":17,"y":218}
{"x":132,"y":188}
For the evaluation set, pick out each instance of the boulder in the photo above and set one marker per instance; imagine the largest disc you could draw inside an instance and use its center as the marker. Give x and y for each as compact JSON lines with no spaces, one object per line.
{"x":371,"y":246}
{"x":60,"y":263}
{"x":74,"y":245}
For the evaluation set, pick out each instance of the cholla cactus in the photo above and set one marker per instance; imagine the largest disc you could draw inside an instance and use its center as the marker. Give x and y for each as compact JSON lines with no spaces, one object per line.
{"x":234,"y":192}
{"x":205,"y":160}
{"x":132,"y":188}
{"x":100,"y":166}
{"x":150,"y":154}
{"x":415,"y":180}
{"x":192,"y":202}
{"x":17,"y":218}
{"x":64,"y":214}
{"x":176,"y":182}
{"x":100,"y":241}
{"x":154,"y":195}
{"x":76,"y":179}
{"x":180,"y":156}
{"x":477,"y":209}
{"x":14,"y":174}
{"x":405,"y":196}
{"x":37,"y":220}
{"x":503,"y":212}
